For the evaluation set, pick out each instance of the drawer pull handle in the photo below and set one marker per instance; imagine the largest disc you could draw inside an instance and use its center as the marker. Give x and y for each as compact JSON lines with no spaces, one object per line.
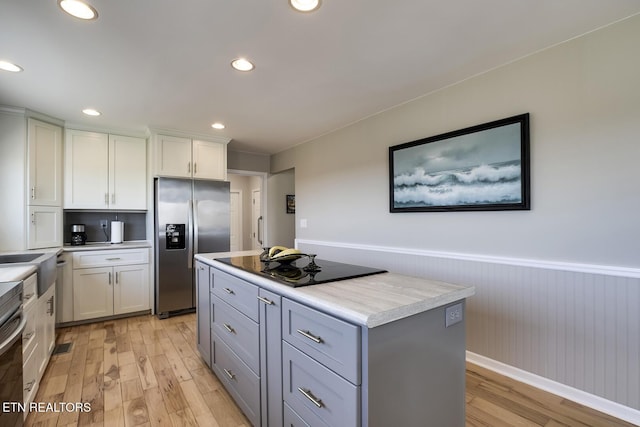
{"x":30,"y":385}
{"x":229,"y":374}
{"x":309,"y":335}
{"x":28,"y":336}
{"x":28,"y":296}
{"x":266,"y":301}
{"x":229,"y":328}
{"x":311,"y":397}
{"x":229,"y":291}
{"x":113,"y":259}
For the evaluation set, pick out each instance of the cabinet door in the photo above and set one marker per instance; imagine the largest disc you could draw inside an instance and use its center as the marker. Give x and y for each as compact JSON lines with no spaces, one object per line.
{"x":86,"y":166}
{"x":127,"y":173}
{"x":45,"y":328}
{"x":173,"y":156}
{"x":131,"y":288}
{"x":209,"y":160}
{"x":203,"y":312}
{"x":92,"y":293}
{"x":271,"y":357}
{"x":45,"y":227}
{"x":44,"y":144}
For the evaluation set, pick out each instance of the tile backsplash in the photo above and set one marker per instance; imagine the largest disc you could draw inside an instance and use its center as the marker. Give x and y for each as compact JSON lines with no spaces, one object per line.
{"x":134,"y":224}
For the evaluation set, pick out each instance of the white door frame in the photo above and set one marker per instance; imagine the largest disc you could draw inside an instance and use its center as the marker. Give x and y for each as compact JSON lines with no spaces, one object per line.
{"x":263,"y":200}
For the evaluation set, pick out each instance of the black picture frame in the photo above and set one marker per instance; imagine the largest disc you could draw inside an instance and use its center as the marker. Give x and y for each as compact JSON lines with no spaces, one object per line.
{"x":479,"y":168}
{"x":291,"y":203}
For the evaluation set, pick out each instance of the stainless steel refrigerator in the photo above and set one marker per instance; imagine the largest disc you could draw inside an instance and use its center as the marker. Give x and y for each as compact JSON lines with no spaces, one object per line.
{"x":191,"y":216}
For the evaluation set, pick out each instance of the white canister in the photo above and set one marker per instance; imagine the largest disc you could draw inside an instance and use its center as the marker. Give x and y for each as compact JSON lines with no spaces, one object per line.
{"x":117,"y":231}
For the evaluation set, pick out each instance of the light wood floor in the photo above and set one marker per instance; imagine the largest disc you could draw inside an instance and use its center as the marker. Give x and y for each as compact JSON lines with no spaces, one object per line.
{"x":143,"y":371}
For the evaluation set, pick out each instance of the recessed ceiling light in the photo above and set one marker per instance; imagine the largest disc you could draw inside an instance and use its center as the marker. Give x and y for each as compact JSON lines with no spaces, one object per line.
{"x":217,"y":126}
{"x":305,"y":5}
{"x":79,"y":9}
{"x":10,"y":66}
{"x":242,"y":64}
{"x":91,"y":112}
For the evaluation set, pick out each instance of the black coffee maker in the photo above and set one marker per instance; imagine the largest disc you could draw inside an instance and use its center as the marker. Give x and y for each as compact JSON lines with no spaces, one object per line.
{"x":78,"y":236}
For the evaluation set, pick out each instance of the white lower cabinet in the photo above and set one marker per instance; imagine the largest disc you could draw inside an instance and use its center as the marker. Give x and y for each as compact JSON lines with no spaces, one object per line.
{"x":107,"y":283}
{"x":30,"y":349}
{"x":46,"y":324}
{"x":38,"y":337}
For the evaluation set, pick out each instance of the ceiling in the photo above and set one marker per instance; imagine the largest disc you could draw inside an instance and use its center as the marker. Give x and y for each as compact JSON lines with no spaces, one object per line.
{"x":166,"y":64}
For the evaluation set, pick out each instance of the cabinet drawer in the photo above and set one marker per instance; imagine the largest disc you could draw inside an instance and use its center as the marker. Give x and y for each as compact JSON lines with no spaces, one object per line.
{"x":241,"y":295}
{"x":29,"y":291}
{"x":238,"y":379}
{"x":330,"y":341}
{"x":30,"y":375}
{"x":291,"y":419}
{"x":316,"y":394}
{"x":238,"y":332}
{"x":29,"y":337}
{"x":89,"y":259}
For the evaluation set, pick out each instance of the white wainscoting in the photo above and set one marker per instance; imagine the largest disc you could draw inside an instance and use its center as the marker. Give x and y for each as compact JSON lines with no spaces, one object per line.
{"x":574,"y":325}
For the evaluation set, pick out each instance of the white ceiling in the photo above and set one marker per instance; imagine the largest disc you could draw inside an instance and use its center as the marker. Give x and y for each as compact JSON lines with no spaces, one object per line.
{"x":165,"y":63}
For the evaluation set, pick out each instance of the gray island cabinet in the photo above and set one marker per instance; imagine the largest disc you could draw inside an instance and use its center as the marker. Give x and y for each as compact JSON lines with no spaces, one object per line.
{"x":374,"y":351}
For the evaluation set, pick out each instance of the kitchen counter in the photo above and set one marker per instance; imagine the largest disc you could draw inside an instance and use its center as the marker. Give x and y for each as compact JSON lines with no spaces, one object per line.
{"x":100,"y":246}
{"x":21,"y":272}
{"x":369,"y":301}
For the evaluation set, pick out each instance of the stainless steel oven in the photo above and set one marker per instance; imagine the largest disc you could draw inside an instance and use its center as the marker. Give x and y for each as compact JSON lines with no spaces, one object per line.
{"x":12,"y":323}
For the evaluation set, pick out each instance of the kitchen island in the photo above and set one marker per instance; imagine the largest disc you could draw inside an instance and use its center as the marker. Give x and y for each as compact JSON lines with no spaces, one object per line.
{"x":379,"y":350}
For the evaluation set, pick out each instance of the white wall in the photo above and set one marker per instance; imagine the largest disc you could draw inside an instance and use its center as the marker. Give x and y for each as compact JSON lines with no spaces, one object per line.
{"x":574,"y":257}
{"x":584,"y":100}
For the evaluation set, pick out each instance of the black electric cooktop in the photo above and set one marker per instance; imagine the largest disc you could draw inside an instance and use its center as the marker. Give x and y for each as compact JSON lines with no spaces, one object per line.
{"x":298,"y":273}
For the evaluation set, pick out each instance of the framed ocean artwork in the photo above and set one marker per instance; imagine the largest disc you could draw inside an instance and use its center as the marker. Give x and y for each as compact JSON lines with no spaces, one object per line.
{"x":479,"y":168}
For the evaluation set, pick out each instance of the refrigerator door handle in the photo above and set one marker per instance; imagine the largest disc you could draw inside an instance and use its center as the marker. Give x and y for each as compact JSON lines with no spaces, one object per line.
{"x":194,"y":210}
{"x":260,"y":230}
{"x":192,"y":233}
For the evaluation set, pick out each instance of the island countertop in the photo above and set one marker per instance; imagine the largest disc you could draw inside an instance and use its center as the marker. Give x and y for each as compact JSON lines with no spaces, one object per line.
{"x":369,"y":301}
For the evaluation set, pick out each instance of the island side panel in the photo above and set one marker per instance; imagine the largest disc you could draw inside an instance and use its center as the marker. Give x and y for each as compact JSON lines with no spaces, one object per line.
{"x":414,"y":372}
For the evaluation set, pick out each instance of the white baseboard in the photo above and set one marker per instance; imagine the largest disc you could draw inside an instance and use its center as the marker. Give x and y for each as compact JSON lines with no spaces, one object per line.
{"x":614,"y":409}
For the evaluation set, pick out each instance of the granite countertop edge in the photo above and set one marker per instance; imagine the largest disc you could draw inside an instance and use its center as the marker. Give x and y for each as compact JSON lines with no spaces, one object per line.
{"x":368,"y":301}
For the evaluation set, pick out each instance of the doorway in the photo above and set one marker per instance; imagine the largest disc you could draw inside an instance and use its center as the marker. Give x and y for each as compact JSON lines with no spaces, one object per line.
{"x":247,"y":209}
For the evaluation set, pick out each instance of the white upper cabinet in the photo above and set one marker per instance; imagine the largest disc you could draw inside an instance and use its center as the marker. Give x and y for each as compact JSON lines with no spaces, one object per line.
{"x":44,"y":145}
{"x":104,"y":171}
{"x":209,"y":160}
{"x":187,"y":158}
{"x":127,"y":172}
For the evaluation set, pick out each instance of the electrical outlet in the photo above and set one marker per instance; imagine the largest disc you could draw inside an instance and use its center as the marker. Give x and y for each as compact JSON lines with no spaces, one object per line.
{"x":103,"y":223}
{"x":453,"y":314}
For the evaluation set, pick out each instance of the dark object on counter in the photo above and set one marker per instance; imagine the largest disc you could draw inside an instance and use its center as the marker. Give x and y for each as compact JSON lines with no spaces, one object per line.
{"x":302,"y":271}
{"x":78,"y":235}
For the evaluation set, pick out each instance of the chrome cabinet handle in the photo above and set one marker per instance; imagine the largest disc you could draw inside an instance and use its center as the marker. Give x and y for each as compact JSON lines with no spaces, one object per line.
{"x":195,"y":168}
{"x":30,"y":385}
{"x":33,"y":193}
{"x":106,"y":198}
{"x":109,"y":278}
{"x":189,"y":167}
{"x":229,"y":328}
{"x":33,"y":218}
{"x":229,"y":291}
{"x":113,"y":259}
{"x":266,"y":301}
{"x":28,"y":296}
{"x":309,"y":335}
{"x":311,"y":397}
{"x":28,"y":336}
{"x":113,"y":198}
{"x":229,"y":374}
